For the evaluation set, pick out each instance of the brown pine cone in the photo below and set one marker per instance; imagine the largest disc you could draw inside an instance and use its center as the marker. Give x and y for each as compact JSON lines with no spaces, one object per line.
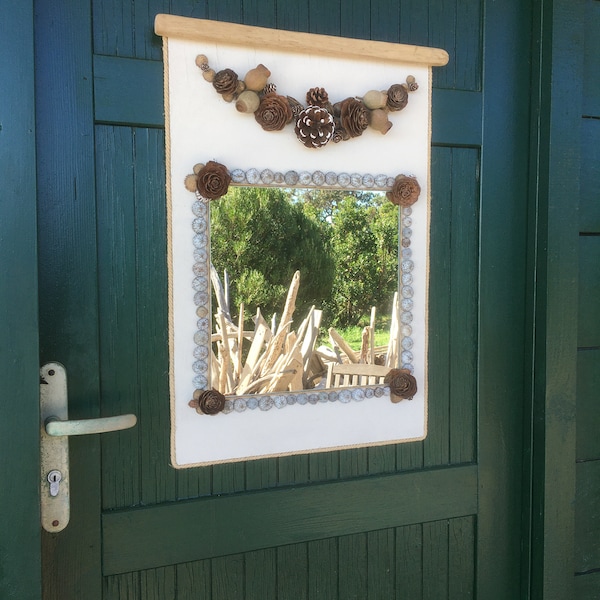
{"x":354,"y":116}
{"x":208,"y":402}
{"x":296,"y":107}
{"x":402,"y":384}
{"x":317,"y":97}
{"x":213,"y":180}
{"x":405,"y":191}
{"x":225,"y":82}
{"x":397,"y":97}
{"x":314,"y":127}
{"x":273,"y":112}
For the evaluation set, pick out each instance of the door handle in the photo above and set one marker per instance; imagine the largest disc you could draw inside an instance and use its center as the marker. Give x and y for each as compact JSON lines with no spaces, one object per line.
{"x":55,"y":429}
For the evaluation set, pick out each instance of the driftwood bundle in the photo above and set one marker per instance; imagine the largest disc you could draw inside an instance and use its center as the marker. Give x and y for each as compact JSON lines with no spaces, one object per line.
{"x":280,"y":358}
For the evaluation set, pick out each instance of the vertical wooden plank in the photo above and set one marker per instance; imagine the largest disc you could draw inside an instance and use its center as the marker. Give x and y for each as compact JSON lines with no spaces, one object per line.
{"x":323,"y":569}
{"x":588,"y":408}
{"x":158,"y":584}
{"x":292,"y":569}
{"x":436,"y":447}
{"x":414,"y":22}
{"x":591,"y":78}
{"x":113,"y":29}
{"x":261,"y":13}
{"x":122,"y":587}
{"x":435,"y":560}
{"x":324,"y":17}
{"x":19,"y":346}
{"x":158,"y":479}
{"x":409,"y":455}
{"x":461,"y":558}
{"x":589,"y":292}
{"x":68,"y":274}
{"x":463,"y":304}
{"x":381,"y":459}
{"x":261,"y":574}
{"x":117,"y":312}
{"x":292,"y":469}
{"x":354,"y":462}
{"x":225,"y":10}
{"x":194,"y":580}
{"x":324,"y":466}
{"x":503,"y":216}
{"x":442,"y":34}
{"x":587,"y":518}
{"x":409,"y":563}
{"x":381,"y":564}
{"x":355,"y":19}
{"x":589,"y":206}
{"x":559,"y":27}
{"x":385,"y":21}
{"x":352,"y":560}
{"x":147,"y":45}
{"x":292,"y":16}
{"x":261,"y":474}
{"x":468,"y":43}
{"x":227,"y":574}
{"x":228,"y":478}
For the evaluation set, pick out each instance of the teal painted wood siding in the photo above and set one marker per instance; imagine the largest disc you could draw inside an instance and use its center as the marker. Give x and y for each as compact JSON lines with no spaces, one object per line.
{"x":587,"y":507}
{"x":19,"y":404}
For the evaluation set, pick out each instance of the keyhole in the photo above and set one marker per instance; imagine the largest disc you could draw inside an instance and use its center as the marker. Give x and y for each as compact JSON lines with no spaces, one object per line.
{"x":54,"y":478}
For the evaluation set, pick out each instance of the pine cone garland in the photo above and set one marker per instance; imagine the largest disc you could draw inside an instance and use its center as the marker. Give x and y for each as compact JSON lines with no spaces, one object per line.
{"x":314,"y":127}
{"x":354,"y":116}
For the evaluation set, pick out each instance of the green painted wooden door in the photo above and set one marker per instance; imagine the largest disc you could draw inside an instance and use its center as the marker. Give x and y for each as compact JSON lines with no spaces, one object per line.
{"x":431,"y":520}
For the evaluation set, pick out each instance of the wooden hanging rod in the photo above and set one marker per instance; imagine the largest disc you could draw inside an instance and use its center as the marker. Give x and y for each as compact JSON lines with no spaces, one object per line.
{"x":292,"y":41}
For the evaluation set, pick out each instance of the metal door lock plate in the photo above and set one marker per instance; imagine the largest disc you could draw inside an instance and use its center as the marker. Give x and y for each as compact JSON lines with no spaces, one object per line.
{"x":54,"y":459}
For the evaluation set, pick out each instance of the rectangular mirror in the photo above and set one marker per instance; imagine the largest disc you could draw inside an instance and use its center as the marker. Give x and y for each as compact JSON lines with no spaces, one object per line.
{"x":330,"y":257}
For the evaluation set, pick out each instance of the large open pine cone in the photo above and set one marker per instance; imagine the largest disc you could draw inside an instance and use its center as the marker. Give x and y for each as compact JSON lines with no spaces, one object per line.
{"x":314,"y":126}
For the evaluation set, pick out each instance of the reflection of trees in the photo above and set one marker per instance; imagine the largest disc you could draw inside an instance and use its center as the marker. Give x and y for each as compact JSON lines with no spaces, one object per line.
{"x":261,"y":239}
{"x":261,"y":236}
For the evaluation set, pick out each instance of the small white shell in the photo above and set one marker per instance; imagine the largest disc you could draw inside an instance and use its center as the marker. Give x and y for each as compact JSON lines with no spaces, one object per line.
{"x":318,"y":178}
{"x":304,"y":178}
{"x":331,"y":178}
{"x":343,"y":180}
{"x":252,"y":176}
{"x":368,"y":180}
{"x":380,"y":180}
{"x":355,"y":180}
{"x":267,"y":176}
{"x":291,"y":178}
{"x":238,"y":176}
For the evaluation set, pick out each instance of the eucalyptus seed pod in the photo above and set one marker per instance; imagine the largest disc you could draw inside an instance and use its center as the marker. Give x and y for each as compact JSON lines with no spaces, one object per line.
{"x":247,"y":102}
{"x":209,"y":74}
{"x":378,"y":119}
{"x":202,"y":62}
{"x":375,"y":99}
{"x":256,"y":78}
